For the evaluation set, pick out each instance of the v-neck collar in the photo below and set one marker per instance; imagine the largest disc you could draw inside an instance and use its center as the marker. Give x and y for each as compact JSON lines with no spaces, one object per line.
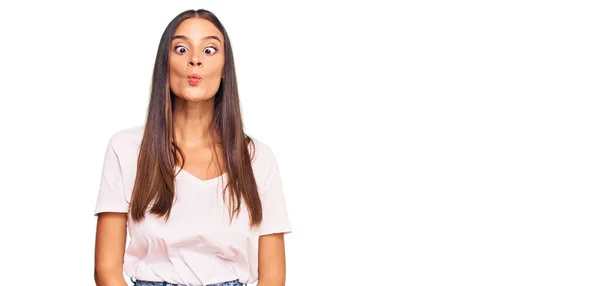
{"x":191,"y":177}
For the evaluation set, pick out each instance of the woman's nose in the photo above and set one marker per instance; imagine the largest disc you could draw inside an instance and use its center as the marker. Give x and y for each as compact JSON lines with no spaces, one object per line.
{"x":194,"y":62}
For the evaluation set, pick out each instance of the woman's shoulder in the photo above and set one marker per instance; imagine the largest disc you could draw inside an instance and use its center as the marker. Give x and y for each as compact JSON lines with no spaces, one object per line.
{"x":127,"y":139}
{"x":260,"y":151}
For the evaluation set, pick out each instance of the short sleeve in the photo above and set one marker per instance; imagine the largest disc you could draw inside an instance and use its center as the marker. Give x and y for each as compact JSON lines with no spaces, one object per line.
{"x":275,"y":214}
{"x":111,"y":196}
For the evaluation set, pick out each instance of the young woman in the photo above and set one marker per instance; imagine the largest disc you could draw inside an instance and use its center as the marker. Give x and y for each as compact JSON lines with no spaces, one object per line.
{"x":202,"y":201}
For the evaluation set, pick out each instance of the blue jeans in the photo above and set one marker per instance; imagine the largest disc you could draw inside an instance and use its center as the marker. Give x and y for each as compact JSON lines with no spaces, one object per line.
{"x":152,"y":283}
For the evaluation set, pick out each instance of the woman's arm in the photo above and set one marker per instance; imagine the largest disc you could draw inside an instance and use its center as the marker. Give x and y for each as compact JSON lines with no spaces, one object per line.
{"x":271,"y":260}
{"x":111,"y":236}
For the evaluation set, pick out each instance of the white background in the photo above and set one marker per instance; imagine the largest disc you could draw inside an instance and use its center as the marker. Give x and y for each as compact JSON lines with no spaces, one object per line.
{"x":430,"y":143}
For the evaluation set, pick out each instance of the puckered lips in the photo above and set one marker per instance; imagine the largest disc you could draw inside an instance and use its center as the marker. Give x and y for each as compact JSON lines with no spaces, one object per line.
{"x":194,"y":79}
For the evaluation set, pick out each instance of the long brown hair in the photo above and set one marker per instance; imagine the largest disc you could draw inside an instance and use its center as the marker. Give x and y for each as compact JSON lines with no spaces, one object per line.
{"x":154,"y":184}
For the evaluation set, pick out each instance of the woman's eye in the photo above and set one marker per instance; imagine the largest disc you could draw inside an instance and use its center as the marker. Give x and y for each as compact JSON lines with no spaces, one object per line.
{"x":180,"y":49}
{"x":210,"y":50}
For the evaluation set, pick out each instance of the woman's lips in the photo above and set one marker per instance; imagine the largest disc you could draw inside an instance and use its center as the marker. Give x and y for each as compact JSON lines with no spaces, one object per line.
{"x":194,"y":79}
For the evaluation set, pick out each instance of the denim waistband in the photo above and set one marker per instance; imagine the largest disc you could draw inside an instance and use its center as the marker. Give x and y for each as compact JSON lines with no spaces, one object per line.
{"x":235,"y":282}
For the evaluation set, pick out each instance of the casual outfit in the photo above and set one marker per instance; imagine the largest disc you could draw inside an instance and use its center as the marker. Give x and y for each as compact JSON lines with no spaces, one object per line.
{"x":151,"y":283}
{"x":197,"y":245}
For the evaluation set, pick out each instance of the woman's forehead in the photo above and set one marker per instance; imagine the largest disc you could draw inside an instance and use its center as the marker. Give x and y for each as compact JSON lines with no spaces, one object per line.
{"x":197,"y":29}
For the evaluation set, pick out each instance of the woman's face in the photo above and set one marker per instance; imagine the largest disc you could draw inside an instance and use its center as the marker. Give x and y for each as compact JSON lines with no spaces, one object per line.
{"x":196,"y":60}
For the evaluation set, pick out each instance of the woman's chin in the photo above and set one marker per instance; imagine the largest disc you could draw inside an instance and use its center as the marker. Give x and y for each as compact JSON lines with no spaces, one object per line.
{"x":196,"y":96}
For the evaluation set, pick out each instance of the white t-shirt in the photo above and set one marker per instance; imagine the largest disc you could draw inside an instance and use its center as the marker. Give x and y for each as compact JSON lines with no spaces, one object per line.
{"x":197,"y":245}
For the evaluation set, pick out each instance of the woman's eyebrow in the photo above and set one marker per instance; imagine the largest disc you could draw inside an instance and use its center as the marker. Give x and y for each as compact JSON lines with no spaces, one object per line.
{"x":186,"y":38}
